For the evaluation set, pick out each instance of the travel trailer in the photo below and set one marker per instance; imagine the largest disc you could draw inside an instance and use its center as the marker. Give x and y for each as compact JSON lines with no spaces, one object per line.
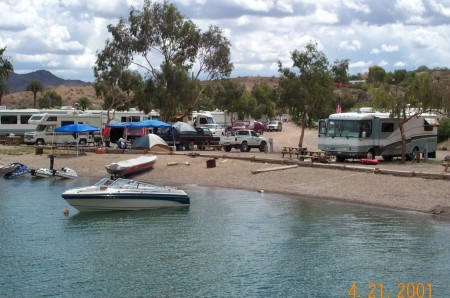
{"x":369,"y":134}
{"x":205,"y":119}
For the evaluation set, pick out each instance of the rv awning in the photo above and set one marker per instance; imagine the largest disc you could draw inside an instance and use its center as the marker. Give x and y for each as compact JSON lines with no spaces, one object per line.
{"x":432,"y":121}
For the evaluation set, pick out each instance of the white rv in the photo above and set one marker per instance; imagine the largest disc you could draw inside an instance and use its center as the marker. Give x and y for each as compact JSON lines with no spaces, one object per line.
{"x":15,"y":121}
{"x":205,"y":119}
{"x":48,"y":122}
{"x":369,"y":134}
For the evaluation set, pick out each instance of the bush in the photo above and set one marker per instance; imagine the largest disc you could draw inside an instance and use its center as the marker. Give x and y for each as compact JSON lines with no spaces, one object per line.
{"x":444,"y":130}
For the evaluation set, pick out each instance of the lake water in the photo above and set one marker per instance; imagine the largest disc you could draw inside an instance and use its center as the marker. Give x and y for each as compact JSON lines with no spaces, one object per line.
{"x":228,"y":243}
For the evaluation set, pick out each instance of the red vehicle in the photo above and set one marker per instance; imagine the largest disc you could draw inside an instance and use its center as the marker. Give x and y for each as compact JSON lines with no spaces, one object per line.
{"x":240,"y":125}
{"x":259,"y":127}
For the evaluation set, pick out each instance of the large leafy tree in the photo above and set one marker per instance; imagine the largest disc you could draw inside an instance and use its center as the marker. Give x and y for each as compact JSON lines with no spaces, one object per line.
{"x":306,"y":88}
{"x":163,"y":43}
{"x":6,"y":68}
{"x":35,"y":86}
{"x":265,"y":99}
{"x":50,"y":99}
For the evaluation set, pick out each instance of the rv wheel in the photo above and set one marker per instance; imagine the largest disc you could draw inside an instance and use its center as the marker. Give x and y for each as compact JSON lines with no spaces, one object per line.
{"x":370,"y":154}
{"x":40,"y":142}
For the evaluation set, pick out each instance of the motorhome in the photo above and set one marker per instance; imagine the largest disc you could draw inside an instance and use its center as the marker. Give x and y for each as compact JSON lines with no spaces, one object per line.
{"x":15,"y":121}
{"x":367,"y":134}
{"x":46,"y":123}
{"x":205,"y":119}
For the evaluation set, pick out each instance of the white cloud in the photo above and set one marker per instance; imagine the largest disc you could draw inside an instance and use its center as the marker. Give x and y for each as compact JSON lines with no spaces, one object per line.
{"x":350,"y":45}
{"x":415,"y":7}
{"x":385,"y":48}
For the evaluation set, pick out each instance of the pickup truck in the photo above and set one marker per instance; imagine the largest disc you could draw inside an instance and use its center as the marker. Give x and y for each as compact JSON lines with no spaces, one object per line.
{"x":201,"y":137}
{"x":243,"y":140}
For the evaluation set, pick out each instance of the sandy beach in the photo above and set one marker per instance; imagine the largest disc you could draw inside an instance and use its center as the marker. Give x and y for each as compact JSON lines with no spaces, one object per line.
{"x":349,"y":182}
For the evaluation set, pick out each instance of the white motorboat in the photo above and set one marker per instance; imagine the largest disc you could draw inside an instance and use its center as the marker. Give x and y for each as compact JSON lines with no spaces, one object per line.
{"x":6,"y":168}
{"x":124,"y":194}
{"x":131,"y":166}
{"x":47,"y":173}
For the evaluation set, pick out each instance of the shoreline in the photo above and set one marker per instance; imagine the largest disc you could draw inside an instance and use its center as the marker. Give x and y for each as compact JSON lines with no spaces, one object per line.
{"x":234,"y":170}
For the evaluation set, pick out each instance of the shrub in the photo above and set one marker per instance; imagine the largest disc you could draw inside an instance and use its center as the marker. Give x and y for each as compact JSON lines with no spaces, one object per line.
{"x":444,"y":130}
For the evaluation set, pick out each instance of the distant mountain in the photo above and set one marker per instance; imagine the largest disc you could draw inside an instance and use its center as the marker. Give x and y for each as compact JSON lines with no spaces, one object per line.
{"x":19,"y":82}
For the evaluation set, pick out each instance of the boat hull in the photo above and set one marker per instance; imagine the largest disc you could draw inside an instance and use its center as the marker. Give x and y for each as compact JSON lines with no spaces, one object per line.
{"x":131,"y":167}
{"x":123,"y":202}
{"x":124,"y":194}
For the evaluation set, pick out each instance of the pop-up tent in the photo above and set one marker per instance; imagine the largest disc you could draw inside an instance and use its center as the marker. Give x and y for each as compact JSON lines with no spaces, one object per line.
{"x":77,"y":128}
{"x":150,"y":141}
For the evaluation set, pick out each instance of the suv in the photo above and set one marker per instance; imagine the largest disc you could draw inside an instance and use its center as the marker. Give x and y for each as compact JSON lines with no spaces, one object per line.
{"x":274,"y":125}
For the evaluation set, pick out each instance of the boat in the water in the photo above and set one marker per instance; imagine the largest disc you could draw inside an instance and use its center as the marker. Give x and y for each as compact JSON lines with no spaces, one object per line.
{"x":47,"y":173}
{"x":131,"y":166}
{"x":124,"y":194}
{"x":18,"y":171}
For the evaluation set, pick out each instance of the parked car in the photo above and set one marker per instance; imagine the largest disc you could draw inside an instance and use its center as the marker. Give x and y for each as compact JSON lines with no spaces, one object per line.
{"x":239,"y":125}
{"x":275,"y":125}
{"x":259,"y":127}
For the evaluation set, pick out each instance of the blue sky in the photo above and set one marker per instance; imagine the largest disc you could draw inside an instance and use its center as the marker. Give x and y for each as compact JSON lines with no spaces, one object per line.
{"x":63,"y":36}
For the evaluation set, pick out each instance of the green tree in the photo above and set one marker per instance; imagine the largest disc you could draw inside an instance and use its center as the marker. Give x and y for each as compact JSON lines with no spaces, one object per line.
{"x":340,"y":70}
{"x":376,"y":74}
{"x":307,"y":89}
{"x":83,"y":103}
{"x":35,"y":86}
{"x":6,"y":68}
{"x":265,"y":99}
{"x":158,"y":33}
{"x":4,"y":90}
{"x":50,"y":99}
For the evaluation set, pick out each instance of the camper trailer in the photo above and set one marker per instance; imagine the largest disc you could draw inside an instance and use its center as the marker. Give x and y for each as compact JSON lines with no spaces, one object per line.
{"x":369,"y":134}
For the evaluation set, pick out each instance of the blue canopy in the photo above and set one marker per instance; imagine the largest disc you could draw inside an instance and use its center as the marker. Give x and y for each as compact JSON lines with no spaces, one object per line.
{"x":77,"y":128}
{"x":119,"y":124}
{"x":150,"y":124}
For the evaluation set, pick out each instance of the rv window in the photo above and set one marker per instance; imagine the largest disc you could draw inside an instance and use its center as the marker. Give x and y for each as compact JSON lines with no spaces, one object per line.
{"x":9,"y":120}
{"x":387,"y":127}
{"x":66,"y":123}
{"x":24,"y":119}
{"x":52,"y":119}
{"x":429,"y":123}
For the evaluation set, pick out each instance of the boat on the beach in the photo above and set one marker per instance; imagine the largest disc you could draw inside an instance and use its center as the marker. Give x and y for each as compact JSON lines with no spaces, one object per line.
{"x":65,"y":172}
{"x":18,"y":171}
{"x":124,"y":194}
{"x":6,"y":168}
{"x":131,"y":166}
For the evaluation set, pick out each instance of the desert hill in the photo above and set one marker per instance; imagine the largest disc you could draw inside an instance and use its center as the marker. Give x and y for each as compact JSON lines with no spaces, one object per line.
{"x":72,"y":90}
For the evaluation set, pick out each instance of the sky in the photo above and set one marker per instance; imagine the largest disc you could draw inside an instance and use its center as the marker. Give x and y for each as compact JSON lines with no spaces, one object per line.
{"x":63,"y":36}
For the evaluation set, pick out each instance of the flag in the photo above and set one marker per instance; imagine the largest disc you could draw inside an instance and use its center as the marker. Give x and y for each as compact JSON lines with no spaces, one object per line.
{"x":339,"y":105}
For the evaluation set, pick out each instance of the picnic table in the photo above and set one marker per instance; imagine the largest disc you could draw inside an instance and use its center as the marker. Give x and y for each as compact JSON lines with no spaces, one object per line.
{"x":293,"y":151}
{"x":12,"y":140}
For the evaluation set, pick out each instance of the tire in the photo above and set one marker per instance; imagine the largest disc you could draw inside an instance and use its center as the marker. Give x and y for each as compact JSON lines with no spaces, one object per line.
{"x":387,"y":157}
{"x":370,"y":154}
{"x":39,"y":142}
{"x":262,"y":147}
{"x":189,"y":146}
{"x":413,"y":154}
{"x":200,"y":147}
{"x":244,"y":147}
{"x":227,"y":148}
{"x":82,"y":142}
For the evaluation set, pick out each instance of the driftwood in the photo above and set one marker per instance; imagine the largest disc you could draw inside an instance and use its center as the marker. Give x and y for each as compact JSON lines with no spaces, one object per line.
{"x":274,"y":169}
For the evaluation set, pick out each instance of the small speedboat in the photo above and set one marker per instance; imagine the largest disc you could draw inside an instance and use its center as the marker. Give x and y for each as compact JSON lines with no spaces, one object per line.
{"x":131,"y":166}
{"x":47,"y":173}
{"x":18,"y":171}
{"x":124,"y":194}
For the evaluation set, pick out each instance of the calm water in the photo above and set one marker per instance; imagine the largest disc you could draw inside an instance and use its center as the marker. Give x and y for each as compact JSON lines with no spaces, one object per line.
{"x":228,"y":243}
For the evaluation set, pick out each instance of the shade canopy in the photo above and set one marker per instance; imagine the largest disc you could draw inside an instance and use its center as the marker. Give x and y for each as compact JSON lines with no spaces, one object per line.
{"x":148,"y":141}
{"x":118,"y":124}
{"x":149,"y":124}
{"x":77,"y":128}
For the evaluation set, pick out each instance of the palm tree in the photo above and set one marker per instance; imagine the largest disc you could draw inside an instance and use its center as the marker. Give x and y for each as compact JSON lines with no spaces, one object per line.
{"x":35,"y":86}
